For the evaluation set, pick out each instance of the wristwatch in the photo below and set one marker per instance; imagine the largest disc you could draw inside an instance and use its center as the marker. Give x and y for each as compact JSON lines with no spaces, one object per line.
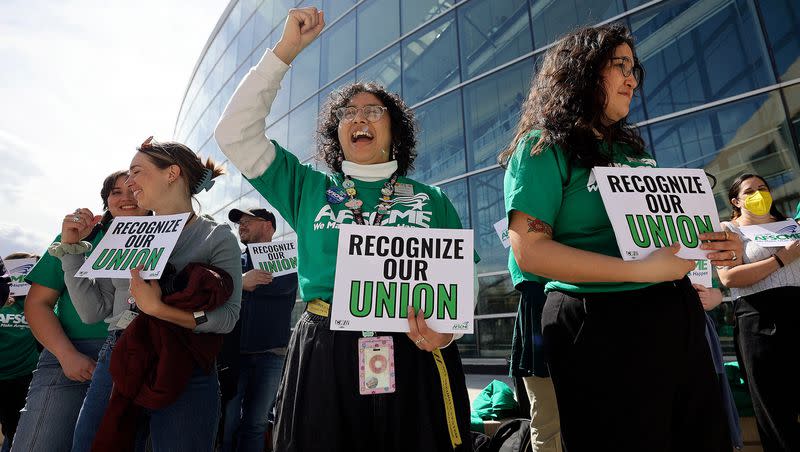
{"x":200,"y":317}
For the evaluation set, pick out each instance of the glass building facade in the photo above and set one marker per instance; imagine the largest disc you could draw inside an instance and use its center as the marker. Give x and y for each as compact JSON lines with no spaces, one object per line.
{"x":722,"y":92}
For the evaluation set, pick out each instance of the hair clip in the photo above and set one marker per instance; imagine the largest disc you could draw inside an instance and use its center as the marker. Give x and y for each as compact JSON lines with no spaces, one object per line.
{"x":146,"y":144}
{"x":205,"y":183}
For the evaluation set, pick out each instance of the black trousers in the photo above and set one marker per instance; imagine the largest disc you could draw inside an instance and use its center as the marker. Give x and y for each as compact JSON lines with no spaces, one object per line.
{"x":632,"y":371}
{"x":319,"y":407}
{"x":767,"y":338}
{"x":14,"y":392}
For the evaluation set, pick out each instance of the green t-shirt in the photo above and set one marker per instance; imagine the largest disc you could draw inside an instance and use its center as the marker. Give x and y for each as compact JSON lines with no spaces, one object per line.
{"x":48,"y":273}
{"x":18,"y":352}
{"x":298,"y":193}
{"x":566,"y":197}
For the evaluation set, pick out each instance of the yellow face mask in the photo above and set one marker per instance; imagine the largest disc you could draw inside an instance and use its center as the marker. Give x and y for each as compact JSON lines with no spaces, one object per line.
{"x":759,"y":202}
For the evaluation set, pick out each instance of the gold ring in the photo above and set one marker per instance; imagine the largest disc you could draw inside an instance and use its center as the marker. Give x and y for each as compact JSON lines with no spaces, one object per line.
{"x":419,"y":340}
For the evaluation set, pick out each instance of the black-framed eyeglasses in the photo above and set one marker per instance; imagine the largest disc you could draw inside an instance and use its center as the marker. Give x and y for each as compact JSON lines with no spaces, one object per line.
{"x":373,"y":113}
{"x":628,"y":67}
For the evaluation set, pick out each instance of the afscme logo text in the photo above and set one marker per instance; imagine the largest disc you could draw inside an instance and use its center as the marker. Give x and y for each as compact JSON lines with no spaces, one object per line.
{"x":13,"y":319}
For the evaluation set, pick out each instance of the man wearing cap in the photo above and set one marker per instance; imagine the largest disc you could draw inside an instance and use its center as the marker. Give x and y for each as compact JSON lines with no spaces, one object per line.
{"x":263,"y":325}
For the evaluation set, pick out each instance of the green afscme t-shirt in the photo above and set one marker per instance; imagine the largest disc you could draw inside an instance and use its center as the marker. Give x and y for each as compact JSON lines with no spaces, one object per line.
{"x":48,"y":273}
{"x":566,"y":197}
{"x":18,"y":352}
{"x":298,"y":193}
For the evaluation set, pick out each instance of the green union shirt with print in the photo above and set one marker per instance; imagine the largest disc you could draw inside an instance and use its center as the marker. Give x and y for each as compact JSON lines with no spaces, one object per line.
{"x":48,"y":273}
{"x":297,"y":192}
{"x":18,"y":352}
{"x":566,"y":197}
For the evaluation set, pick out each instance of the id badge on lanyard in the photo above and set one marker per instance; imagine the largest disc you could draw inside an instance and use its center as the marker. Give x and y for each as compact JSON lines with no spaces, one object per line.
{"x":376,"y":365}
{"x":129,"y":315}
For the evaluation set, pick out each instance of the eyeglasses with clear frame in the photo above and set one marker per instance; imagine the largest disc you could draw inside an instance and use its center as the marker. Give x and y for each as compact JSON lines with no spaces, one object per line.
{"x":373,"y":113}
{"x":628,"y":67}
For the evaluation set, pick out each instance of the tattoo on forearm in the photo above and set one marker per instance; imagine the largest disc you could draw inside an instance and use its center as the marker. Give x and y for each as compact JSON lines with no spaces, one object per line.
{"x":536,"y":225}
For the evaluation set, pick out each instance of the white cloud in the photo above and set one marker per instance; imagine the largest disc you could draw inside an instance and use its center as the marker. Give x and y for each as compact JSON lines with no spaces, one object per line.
{"x":13,"y":238}
{"x":83,"y":83}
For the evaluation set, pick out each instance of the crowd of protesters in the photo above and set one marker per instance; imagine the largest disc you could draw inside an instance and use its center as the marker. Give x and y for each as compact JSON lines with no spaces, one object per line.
{"x":202,"y":358}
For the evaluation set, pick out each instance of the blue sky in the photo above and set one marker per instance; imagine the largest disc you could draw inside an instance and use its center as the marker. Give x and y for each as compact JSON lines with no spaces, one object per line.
{"x":83,"y":83}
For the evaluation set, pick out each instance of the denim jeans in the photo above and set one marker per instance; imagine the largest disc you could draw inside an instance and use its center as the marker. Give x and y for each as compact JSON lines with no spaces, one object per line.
{"x":53,"y":403}
{"x":246,"y":414}
{"x":190,"y":423}
{"x":96,"y":400}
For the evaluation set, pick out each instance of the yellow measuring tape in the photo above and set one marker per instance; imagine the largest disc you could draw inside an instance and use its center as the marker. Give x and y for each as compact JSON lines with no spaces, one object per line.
{"x":447,"y":393}
{"x":323,"y":309}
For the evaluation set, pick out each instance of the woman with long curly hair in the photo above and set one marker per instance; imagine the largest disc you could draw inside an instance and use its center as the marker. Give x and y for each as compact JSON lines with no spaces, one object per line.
{"x":625,"y":340}
{"x":367,"y":138}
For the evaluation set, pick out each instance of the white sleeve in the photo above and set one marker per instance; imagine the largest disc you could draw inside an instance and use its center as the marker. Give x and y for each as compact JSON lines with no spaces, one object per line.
{"x":240,"y":131}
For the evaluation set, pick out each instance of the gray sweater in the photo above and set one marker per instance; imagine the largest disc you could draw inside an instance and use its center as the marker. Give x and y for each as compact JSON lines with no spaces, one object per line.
{"x":202,"y":241}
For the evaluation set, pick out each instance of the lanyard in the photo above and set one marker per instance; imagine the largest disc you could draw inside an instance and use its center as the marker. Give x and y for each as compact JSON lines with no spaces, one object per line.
{"x":354,"y":204}
{"x":384,"y":201}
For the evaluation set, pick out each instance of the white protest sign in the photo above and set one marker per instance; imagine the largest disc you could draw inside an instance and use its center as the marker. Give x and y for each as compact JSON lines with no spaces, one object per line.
{"x":278,"y":258}
{"x":382,"y":271}
{"x":779,"y":233}
{"x":133,"y":241}
{"x":701,"y":273}
{"x":651,"y":208}
{"x":18,"y":269}
{"x":501,"y":227}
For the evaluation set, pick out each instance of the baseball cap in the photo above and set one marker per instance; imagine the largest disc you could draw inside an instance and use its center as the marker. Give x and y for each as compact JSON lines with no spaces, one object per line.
{"x":236,"y":214}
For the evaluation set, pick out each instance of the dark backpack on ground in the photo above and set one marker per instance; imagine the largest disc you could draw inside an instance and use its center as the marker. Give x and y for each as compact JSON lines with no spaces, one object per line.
{"x":480,"y":442}
{"x":513,"y":435}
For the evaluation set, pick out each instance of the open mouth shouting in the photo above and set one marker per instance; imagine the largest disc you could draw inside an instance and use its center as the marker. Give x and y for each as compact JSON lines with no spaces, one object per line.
{"x":362,"y":136}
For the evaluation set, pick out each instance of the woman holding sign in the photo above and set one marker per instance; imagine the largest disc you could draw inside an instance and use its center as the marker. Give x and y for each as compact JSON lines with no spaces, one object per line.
{"x":94,"y":298}
{"x":163,"y":178}
{"x":625,"y":340}
{"x":766,"y":288}
{"x":67,"y":365}
{"x":367,"y":138}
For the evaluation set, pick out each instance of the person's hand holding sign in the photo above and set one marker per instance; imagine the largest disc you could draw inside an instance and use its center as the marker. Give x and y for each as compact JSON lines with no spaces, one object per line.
{"x":664,"y":265}
{"x":147,"y":294}
{"x":77,"y":225}
{"x":254,"y":278}
{"x":422,"y":336}
{"x":727,"y":248}
{"x":789,"y":253}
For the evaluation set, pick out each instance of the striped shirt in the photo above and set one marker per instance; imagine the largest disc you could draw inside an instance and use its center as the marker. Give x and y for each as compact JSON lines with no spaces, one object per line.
{"x":782,"y":277}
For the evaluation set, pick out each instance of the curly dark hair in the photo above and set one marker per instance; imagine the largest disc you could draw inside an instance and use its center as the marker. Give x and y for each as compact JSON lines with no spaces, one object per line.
{"x":567,"y":98}
{"x":404,"y":128}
